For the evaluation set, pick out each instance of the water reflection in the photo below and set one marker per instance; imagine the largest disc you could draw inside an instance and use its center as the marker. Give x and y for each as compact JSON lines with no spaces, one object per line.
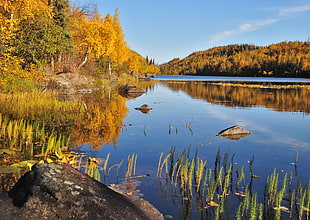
{"x":277,"y":98}
{"x":102,"y":123}
{"x":177,"y":120}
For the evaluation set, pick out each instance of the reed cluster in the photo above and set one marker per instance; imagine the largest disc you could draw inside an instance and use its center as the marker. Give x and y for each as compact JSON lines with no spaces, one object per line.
{"x":30,"y":138}
{"x":43,"y":107}
{"x":215,"y":188}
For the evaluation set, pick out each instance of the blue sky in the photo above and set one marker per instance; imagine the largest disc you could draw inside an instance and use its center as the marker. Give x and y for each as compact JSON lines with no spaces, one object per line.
{"x":167,"y":29}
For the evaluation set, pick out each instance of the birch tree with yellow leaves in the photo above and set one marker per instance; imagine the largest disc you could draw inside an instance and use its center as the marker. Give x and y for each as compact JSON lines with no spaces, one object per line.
{"x":93,"y":35}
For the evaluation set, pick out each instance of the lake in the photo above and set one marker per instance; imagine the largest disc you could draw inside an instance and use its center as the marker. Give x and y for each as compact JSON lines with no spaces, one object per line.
{"x":188,"y":112}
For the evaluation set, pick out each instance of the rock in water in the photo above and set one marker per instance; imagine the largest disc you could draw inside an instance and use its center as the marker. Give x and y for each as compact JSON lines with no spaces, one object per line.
{"x":234,"y":133}
{"x":130,"y":91}
{"x":58,"y":191}
{"x":144,"y":108}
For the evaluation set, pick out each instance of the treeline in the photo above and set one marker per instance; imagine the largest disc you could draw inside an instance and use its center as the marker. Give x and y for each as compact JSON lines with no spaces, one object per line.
{"x":41,"y":34}
{"x":285,"y":59}
{"x":290,"y":99}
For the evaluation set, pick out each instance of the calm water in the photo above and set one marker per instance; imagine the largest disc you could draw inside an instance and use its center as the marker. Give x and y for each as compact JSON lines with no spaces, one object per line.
{"x":187,"y":115}
{"x":228,"y":78}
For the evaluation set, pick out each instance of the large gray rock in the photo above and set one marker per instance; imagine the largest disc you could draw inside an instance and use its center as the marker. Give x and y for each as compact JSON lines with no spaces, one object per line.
{"x":69,"y":83}
{"x":58,"y":191}
{"x":234,"y":133}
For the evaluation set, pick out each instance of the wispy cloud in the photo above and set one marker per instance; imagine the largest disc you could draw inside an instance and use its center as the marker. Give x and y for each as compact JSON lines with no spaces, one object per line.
{"x":243,"y":28}
{"x":258,"y":24}
{"x":294,"y":10}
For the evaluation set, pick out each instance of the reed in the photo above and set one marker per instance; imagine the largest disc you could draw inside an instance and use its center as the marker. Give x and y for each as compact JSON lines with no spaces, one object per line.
{"x":200,"y":167}
{"x":41,"y":107}
{"x":253,"y":208}
{"x":240,"y":177}
{"x":227,"y":179}
{"x":131,"y":165}
{"x":92,"y":169}
{"x":170,"y":128}
{"x":213,"y":187}
{"x":279,"y":197}
{"x":251,"y":166}
{"x":260,"y":211}
{"x":272,"y":183}
{"x":105,"y":164}
{"x":161,"y":164}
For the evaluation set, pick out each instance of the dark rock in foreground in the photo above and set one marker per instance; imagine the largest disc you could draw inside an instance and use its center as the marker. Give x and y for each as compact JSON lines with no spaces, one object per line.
{"x":58,"y":191}
{"x":144,"y":108}
{"x":130,"y":91}
{"x":234,"y":132}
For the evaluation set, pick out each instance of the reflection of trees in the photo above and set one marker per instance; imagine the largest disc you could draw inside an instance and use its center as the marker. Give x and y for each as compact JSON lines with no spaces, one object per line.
{"x":102,"y":123}
{"x":288,"y":99}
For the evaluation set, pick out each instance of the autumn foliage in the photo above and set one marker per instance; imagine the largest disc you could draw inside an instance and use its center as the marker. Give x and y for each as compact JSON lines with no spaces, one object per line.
{"x":283,"y":59}
{"x":41,"y":34}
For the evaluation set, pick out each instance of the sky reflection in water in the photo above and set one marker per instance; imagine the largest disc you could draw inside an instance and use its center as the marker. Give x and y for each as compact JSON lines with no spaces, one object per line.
{"x":275,"y":136}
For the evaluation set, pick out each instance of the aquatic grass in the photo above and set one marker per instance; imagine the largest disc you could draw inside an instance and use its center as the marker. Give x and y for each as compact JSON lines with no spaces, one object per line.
{"x":92,"y":169}
{"x":105,"y":165}
{"x":162,"y":163}
{"x":279,"y":197}
{"x":212,"y":187}
{"x":272,"y":184}
{"x":40,"y":106}
{"x":131,"y":166}
{"x":200,"y":168}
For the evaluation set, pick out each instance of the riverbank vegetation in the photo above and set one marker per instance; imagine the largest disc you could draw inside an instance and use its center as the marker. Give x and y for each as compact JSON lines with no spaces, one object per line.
{"x":285,"y":59}
{"x":39,"y":37}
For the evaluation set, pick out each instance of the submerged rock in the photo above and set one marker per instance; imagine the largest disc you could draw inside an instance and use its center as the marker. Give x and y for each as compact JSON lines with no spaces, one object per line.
{"x":130,"y":91}
{"x":58,"y":191}
{"x":144,"y":108}
{"x":234,"y":133}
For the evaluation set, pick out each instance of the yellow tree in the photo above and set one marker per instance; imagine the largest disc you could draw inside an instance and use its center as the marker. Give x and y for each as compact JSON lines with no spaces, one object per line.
{"x":121,"y":50}
{"x":93,"y":35}
{"x":11,"y":13}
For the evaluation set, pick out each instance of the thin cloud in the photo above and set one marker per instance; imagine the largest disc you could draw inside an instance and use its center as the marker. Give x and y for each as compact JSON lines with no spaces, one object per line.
{"x":243,"y":28}
{"x":256,"y":25}
{"x":288,"y":11}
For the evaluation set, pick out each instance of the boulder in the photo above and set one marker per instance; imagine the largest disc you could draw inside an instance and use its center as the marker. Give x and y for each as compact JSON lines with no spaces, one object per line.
{"x":58,"y":191}
{"x":234,"y":133}
{"x":144,"y":108}
{"x":69,"y":83}
{"x":130,"y":91}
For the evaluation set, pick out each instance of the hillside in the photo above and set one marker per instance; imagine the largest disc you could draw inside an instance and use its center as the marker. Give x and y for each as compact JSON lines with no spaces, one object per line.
{"x":285,"y":59}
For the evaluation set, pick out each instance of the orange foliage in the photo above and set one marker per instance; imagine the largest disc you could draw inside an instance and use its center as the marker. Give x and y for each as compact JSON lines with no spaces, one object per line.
{"x":102,"y":124}
{"x":286,"y":99}
{"x":282,"y":59}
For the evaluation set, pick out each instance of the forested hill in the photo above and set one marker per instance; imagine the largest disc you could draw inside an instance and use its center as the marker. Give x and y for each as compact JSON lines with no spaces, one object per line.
{"x":285,"y":59}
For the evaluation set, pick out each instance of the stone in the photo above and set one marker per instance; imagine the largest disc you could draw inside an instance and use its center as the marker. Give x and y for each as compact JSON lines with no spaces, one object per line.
{"x":69,"y":83}
{"x":144,"y":108}
{"x":58,"y":191}
{"x":234,"y":133}
{"x":130,"y":91}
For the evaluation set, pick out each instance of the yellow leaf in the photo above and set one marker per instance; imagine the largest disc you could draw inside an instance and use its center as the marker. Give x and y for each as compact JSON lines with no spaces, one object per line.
{"x":49,"y":160}
{"x":213,"y":204}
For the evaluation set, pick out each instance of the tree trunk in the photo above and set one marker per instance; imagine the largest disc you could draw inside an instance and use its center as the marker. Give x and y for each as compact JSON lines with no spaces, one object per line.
{"x":84,"y":61}
{"x":53,"y":64}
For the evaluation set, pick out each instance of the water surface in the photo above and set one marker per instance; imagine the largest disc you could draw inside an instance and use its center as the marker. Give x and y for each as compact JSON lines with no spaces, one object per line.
{"x":188,"y":114}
